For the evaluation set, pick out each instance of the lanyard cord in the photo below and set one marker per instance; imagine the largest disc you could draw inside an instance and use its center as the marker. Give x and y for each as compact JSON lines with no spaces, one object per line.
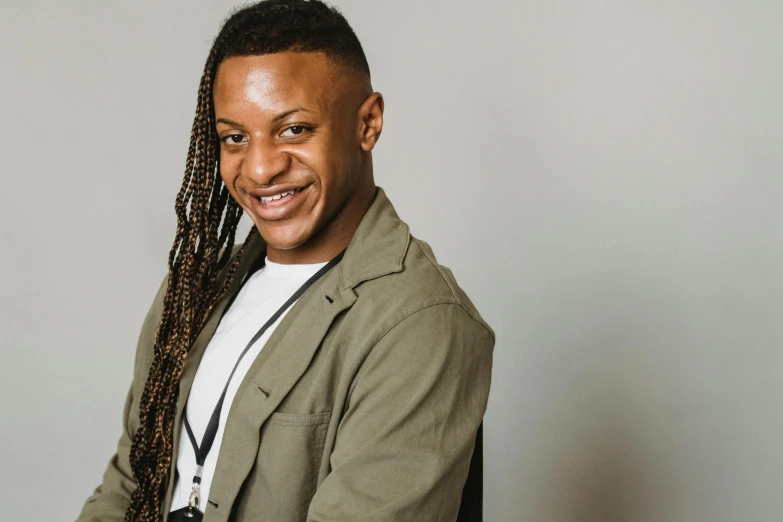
{"x":202,"y":450}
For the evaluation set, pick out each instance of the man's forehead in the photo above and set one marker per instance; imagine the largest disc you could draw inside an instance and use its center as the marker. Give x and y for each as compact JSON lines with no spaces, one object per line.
{"x":289,"y":75}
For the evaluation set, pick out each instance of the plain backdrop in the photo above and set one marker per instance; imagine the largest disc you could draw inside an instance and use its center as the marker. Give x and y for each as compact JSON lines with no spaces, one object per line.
{"x":604,"y":179}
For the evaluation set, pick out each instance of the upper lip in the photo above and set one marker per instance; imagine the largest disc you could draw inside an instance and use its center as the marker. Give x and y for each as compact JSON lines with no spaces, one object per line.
{"x":271,"y":191}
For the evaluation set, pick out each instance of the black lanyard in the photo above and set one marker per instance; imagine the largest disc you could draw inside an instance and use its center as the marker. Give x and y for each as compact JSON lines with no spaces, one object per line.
{"x":202,"y":450}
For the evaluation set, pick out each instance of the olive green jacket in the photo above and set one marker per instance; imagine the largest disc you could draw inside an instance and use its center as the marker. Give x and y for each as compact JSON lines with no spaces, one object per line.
{"x":363,"y":405}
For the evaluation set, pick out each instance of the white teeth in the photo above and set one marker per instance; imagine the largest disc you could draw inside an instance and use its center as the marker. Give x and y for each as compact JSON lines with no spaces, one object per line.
{"x":276,"y":196}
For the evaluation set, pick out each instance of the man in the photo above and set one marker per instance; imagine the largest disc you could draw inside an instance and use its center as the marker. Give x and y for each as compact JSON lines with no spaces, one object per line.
{"x":328,"y":368}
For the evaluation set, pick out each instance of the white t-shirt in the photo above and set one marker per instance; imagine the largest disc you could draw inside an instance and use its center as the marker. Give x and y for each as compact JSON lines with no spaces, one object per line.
{"x":262,"y":294}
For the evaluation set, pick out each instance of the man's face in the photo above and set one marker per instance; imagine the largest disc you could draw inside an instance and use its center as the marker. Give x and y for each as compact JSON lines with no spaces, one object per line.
{"x":290,"y":129}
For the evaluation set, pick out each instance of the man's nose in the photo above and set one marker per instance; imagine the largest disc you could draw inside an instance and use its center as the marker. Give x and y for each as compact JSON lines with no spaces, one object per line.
{"x":264,"y":161}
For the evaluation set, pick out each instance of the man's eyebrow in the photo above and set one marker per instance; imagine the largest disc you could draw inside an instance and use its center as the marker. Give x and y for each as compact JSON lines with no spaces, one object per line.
{"x":287,"y":113}
{"x":228,"y":122}
{"x":277,"y":118}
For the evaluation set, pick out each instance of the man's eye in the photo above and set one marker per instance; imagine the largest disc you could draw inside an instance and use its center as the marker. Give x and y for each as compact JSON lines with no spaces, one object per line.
{"x":233,"y":139}
{"x":296,"y":130}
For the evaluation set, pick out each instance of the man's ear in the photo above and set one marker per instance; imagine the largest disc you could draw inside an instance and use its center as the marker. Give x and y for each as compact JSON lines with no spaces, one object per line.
{"x":370,"y":121}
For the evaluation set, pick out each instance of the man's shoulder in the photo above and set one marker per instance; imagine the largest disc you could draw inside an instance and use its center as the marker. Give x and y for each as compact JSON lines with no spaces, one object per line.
{"x":423,"y":282}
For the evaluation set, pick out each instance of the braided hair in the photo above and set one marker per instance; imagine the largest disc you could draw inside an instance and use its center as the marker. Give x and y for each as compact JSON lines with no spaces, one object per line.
{"x":207,"y":218}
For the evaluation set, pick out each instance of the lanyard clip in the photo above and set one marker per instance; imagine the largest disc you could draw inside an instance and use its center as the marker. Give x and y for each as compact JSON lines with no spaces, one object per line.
{"x":192,"y":501}
{"x":195,"y":493}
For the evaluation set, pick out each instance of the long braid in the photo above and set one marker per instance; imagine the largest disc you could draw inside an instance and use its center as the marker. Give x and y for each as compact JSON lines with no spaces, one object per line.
{"x":191,"y":294}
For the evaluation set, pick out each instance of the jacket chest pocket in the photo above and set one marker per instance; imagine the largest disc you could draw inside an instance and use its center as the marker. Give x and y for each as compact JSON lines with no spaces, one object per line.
{"x":285,"y":474}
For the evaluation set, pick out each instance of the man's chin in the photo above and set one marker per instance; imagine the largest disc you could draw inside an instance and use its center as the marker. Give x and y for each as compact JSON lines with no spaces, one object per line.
{"x":282,"y":241}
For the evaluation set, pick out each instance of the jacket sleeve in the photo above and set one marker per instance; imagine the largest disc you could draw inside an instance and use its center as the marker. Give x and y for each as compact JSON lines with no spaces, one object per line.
{"x":111,"y":498}
{"x":404,"y":444}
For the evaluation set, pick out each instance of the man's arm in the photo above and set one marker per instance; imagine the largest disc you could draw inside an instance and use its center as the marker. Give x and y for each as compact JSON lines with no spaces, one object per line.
{"x":111,"y":499}
{"x":404,"y":444}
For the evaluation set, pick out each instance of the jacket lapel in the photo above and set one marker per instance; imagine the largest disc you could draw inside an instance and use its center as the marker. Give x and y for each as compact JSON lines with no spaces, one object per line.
{"x":285,"y":357}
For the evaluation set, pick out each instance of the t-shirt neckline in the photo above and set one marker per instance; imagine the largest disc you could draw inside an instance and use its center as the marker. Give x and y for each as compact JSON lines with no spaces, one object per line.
{"x":274,"y":270}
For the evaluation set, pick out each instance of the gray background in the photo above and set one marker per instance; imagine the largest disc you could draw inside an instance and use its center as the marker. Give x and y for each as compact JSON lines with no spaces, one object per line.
{"x":604,"y":178}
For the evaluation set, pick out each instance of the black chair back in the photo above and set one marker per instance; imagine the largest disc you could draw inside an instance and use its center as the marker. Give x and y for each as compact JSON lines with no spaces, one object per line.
{"x":470,"y":508}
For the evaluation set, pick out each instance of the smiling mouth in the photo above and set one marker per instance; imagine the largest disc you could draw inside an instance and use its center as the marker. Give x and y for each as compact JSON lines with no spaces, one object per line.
{"x":281,"y":206}
{"x":278,"y":198}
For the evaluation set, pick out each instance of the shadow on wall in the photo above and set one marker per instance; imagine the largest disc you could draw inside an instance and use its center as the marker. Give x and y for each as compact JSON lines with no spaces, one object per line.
{"x":591,"y":414}
{"x":611,"y":447}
